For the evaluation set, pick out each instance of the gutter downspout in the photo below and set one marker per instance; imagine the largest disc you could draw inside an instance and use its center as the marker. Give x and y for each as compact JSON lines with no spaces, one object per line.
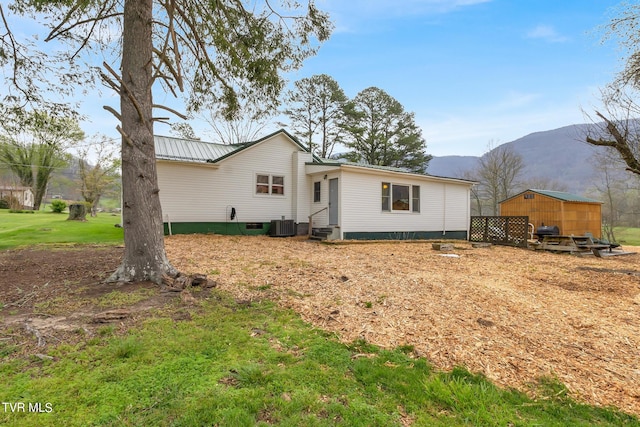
{"x":444,"y":210}
{"x":168,"y":224}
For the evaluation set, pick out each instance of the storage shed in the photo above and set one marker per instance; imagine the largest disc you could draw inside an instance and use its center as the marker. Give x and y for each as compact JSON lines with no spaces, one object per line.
{"x":574,"y":215}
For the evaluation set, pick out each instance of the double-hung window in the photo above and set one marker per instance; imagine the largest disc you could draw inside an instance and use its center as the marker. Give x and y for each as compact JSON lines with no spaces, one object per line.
{"x":317,"y":191}
{"x":270,"y":184}
{"x":400,"y":197}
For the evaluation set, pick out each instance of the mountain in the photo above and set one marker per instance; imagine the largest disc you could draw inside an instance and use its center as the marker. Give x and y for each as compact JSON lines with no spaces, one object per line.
{"x":555,"y":158}
{"x":453,"y":166}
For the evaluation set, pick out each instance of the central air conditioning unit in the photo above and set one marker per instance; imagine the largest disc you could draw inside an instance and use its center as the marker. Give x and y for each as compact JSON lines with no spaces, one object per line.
{"x":282,"y":228}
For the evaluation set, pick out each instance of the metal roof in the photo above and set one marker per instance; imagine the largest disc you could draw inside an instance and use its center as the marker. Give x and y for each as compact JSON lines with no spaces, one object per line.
{"x":560,"y":195}
{"x":567,"y":197}
{"x":189,"y":150}
{"x":331,"y":162}
{"x":169,"y":148}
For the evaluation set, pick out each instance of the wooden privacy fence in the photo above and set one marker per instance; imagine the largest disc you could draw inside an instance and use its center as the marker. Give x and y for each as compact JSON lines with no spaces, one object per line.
{"x":500,"y":230}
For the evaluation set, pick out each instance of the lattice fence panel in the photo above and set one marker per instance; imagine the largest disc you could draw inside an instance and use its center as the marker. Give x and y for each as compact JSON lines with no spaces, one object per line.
{"x":500,"y":230}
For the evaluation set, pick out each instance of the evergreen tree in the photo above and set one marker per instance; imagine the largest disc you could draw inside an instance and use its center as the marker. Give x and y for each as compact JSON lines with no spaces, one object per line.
{"x":380,"y":132}
{"x":315,"y":109}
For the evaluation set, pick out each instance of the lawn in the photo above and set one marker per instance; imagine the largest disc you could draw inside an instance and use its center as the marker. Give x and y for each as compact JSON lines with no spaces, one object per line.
{"x":235,"y":355}
{"x":627,"y":235}
{"x":232,"y":363}
{"x":26,"y":229}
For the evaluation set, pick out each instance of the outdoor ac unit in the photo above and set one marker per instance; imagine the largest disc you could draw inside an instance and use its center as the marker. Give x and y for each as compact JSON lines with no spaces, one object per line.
{"x":282,"y":228}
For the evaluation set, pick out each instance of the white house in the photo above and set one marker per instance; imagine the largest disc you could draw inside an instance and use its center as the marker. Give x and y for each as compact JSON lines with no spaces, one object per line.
{"x":241,"y":189}
{"x":23,"y":196}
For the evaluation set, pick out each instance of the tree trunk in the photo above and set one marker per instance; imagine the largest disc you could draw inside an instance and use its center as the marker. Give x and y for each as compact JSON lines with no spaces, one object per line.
{"x":94,"y":206}
{"x":144,"y":255}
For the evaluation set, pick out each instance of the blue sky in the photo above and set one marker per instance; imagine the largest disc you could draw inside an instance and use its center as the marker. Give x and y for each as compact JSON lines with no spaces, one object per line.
{"x":472,"y":71}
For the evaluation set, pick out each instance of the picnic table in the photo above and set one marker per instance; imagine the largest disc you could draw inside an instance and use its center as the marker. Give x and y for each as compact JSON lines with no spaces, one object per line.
{"x":579,"y":245}
{"x":573,"y":244}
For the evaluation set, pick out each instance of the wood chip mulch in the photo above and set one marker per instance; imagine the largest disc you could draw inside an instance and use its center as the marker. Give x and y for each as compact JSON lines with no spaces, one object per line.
{"x":512,"y":314}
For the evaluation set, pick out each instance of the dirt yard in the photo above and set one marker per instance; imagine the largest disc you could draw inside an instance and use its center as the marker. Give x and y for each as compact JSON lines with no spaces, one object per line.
{"x":513,"y":314}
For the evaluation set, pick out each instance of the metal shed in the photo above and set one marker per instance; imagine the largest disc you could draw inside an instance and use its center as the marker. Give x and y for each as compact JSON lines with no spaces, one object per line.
{"x":574,"y":215}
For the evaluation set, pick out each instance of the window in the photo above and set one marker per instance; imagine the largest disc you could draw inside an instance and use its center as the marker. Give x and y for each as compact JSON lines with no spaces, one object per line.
{"x":262,"y":184}
{"x":277,"y":185}
{"x":270,"y":184}
{"x":386,"y":196}
{"x":316,"y":191}
{"x":400,"y":198}
{"x":528,"y":196}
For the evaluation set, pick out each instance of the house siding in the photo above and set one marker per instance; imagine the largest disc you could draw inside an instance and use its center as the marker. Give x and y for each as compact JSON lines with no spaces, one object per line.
{"x":457,"y":208}
{"x":198,"y":196}
{"x":23,"y":195}
{"x":444,"y":208}
{"x":205,"y":194}
{"x":321,"y":217}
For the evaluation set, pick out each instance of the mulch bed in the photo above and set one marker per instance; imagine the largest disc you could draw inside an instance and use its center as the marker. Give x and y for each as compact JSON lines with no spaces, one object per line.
{"x":512,"y":314}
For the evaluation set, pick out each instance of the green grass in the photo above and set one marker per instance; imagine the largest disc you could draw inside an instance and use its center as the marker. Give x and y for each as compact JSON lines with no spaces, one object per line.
{"x":627,"y":235}
{"x":117,"y":298}
{"x":232,"y":365}
{"x":19,"y":229}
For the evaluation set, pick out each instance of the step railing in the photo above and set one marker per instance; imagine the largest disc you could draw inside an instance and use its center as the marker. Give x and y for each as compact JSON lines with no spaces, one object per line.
{"x":311,"y":222}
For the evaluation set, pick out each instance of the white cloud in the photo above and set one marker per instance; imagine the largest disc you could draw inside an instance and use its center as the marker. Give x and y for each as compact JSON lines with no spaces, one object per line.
{"x":515,"y":99}
{"x":546,"y":33}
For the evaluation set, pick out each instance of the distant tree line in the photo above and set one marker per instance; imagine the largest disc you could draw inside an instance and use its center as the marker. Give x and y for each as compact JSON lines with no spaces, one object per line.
{"x":35,"y":145}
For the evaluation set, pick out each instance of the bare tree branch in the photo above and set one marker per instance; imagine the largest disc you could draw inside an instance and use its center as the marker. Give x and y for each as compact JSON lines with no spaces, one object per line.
{"x":620,"y":143}
{"x":127,"y":91}
{"x":113,"y":111}
{"x":171,"y":110}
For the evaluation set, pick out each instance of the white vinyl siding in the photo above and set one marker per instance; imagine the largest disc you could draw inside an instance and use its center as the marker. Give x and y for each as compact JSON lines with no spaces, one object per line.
{"x":457,"y":207}
{"x":195,"y":193}
{"x":361,"y":205}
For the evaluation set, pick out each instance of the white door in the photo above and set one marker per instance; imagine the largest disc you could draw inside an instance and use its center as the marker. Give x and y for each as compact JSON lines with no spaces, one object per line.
{"x":333,"y":201}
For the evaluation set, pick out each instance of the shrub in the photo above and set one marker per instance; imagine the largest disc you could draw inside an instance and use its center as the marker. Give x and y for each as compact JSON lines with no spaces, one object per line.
{"x":58,"y":205}
{"x":10,"y":202}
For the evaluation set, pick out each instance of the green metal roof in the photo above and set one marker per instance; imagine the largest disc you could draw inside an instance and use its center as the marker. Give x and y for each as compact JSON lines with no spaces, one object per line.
{"x":195,"y":151}
{"x":561,"y":195}
{"x":188,"y":150}
{"x":331,"y":162}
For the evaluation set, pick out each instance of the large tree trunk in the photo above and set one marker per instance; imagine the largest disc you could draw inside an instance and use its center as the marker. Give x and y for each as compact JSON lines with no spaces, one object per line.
{"x":94,"y":206}
{"x":40,"y":186}
{"x":144,"y":255}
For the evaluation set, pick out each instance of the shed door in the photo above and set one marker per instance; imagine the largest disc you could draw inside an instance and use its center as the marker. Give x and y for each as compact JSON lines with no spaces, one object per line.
{"x":333,"y":201}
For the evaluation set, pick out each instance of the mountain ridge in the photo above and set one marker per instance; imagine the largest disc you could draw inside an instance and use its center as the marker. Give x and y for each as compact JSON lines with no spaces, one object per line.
{"x":558,"y":158}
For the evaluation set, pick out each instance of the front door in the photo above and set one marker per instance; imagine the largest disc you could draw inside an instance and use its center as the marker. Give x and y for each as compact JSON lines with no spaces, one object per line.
{"x":333,"y":201}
